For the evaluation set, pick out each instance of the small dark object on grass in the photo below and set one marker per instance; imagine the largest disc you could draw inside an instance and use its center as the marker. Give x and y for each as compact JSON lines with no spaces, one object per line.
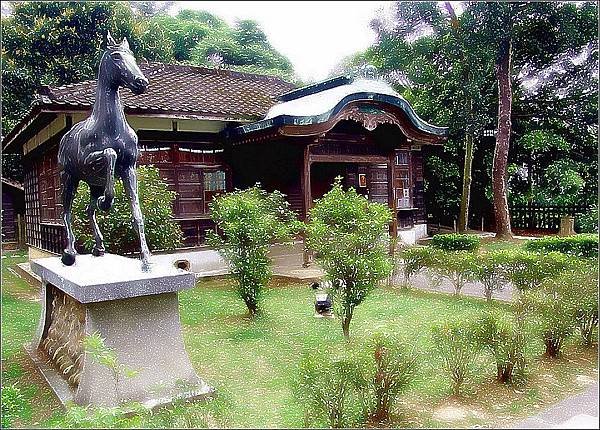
{"x":323,"y":302}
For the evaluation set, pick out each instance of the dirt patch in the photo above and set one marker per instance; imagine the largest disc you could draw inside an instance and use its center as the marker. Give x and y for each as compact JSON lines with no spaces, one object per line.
{"x":450,"y":413}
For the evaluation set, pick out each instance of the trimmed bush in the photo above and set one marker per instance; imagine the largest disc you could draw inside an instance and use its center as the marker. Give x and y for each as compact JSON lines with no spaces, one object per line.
{"x":413,"y":260}
{"x":456,"y":266}
{"x":487,"y":269}
{"x":349,"y":235}
{"x":505,"y":340}
{"x":527,"y":270}
{"x":358,"y":385}
{"x":120,"y":236}
{"x":250,"y":220}
{"x":579,"y":245}
{"x":394,"y":367}
{"x":552,"y":312}
{"x":456,"y":242}
{"x":580,"y":289}
{"x":329,"y":389}
{"x":456,"y":344}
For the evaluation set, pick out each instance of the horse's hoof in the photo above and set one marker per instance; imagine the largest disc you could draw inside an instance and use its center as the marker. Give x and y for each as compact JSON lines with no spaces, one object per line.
{"x":104,"y":203}
{"x":68,"y":259}
{"x":96,"y":252}
{"x":146,"y":266}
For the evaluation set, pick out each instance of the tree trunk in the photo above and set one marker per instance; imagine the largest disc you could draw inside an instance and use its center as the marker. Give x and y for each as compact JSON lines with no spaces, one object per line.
{"x":346,"y":323}
{"x":503,"y":74}
{"x":463,"y":218}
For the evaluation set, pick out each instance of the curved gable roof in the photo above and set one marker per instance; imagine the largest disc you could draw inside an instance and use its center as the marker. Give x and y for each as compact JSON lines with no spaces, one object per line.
{"x":321,"y":102}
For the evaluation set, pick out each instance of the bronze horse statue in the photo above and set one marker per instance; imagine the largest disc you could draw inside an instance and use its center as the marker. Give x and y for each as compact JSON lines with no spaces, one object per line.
{"x":102,"y":146}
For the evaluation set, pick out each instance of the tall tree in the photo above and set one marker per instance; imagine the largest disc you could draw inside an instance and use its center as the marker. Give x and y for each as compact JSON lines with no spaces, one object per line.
{"x":553,"y":94}
{"x":526,"y":36}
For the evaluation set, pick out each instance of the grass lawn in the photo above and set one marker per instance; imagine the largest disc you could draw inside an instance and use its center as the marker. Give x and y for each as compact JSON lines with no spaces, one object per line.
{"x":253,"y":363}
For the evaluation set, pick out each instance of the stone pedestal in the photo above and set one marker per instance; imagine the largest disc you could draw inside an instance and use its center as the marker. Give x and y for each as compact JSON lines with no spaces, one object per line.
{"x":137,"y":315}
{"x":567,"y":226}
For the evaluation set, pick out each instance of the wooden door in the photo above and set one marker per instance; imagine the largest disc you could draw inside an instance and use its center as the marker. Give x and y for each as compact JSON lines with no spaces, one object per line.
{"x":377,"y":183}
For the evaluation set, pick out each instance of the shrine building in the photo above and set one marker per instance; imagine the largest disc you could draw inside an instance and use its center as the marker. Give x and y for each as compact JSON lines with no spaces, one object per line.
{"x":209,"y":131}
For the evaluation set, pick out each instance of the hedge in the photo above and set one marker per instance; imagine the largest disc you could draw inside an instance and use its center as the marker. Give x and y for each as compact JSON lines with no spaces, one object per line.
{"x":580,"y":245}
{"x":456,"y":242}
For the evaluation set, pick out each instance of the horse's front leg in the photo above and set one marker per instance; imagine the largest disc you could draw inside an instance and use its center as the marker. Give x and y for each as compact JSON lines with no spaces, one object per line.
{"x":107,"y":160}
{"x":130,"y":185}
{"x":95,"y":194}
{"x":69,"y":188}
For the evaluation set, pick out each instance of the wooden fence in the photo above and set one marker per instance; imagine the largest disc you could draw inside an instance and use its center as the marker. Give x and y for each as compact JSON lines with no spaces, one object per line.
{"x":542,"y":217}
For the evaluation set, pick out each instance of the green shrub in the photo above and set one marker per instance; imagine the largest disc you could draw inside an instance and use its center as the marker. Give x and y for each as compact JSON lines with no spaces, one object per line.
{"x":487,"y":269}
{"x":552,"y":311}
{"x":456,"y":242}
{"x":179,"y":414}
{"x":579,"y":245}
{"x":455,"y":266}
{"x":250,"y":220}
{"x":527,"y":270}
{"x":393,"y":368}
{"x":505,"y":340}
{"x":349,"y":236}
{"x":588,"y":222}
{"x":413,"y":260}
{"x":456,"y":344}
{"x":357,"y":385}
{"x":120,"y":236}
{"x":13,"y":405}
{"x":329,"y":388}
{"x":127,"y":416}
{"x":580,"y":289}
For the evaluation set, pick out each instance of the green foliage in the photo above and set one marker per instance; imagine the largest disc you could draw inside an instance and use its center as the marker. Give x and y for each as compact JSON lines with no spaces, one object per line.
{"x":57,"y":43}
{"x":580,"y":287}
{"x":356,"y":385}
{"x":445,"y":68}
{"x":526,"y":270}
{"x":456,"y":242}
{"x":393,"y":368}
{"x":487,"y":268}
{"x":587,"y":222}
{"x":456,"y":344}
{"x":13,"y":404}
{"x":505,"y":340}
{"x":328,"y":389}
{"x":579,"y":245}
{"x":349,"y":236}
{"x":560,"y":306}
{"x":456,"y":266}
{"x":244,"y":47}
{"x":179,"y":414}
{"x":105,"y":356}
{"x":130,"y":416}
{"x":415,"y":259}
{"x":156,"y":202}
{"x":250,"y":220}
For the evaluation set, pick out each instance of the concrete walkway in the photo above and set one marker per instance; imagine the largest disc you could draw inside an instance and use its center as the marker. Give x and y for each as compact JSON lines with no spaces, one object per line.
{"x":287,"y":263}
{"x":576,"y":412}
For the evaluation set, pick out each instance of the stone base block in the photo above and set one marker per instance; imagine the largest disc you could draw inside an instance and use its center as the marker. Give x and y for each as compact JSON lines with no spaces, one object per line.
{"x":136,"y":315}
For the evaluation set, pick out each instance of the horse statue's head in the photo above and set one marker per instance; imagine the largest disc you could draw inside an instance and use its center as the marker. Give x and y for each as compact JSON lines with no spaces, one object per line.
{"x":118,"y":63}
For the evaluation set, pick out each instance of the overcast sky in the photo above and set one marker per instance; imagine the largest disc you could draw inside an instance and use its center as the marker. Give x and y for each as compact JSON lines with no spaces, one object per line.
{"x":315,"y":36}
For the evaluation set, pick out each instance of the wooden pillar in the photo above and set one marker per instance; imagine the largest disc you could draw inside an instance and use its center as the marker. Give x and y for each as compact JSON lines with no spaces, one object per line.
{"x":392,"y":197}
{"x":306,"y":194}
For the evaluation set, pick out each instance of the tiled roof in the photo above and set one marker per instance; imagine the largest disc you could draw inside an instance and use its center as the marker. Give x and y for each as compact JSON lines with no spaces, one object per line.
{"x":12,"y":183}
{"x":186,"y":90}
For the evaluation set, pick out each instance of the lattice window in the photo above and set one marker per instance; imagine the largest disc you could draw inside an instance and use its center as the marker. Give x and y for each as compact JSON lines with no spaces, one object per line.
{"x":214,"y":184}
{"x":403,"y":191}
{"x":49,"y":188}
{"x":32,"y":205}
